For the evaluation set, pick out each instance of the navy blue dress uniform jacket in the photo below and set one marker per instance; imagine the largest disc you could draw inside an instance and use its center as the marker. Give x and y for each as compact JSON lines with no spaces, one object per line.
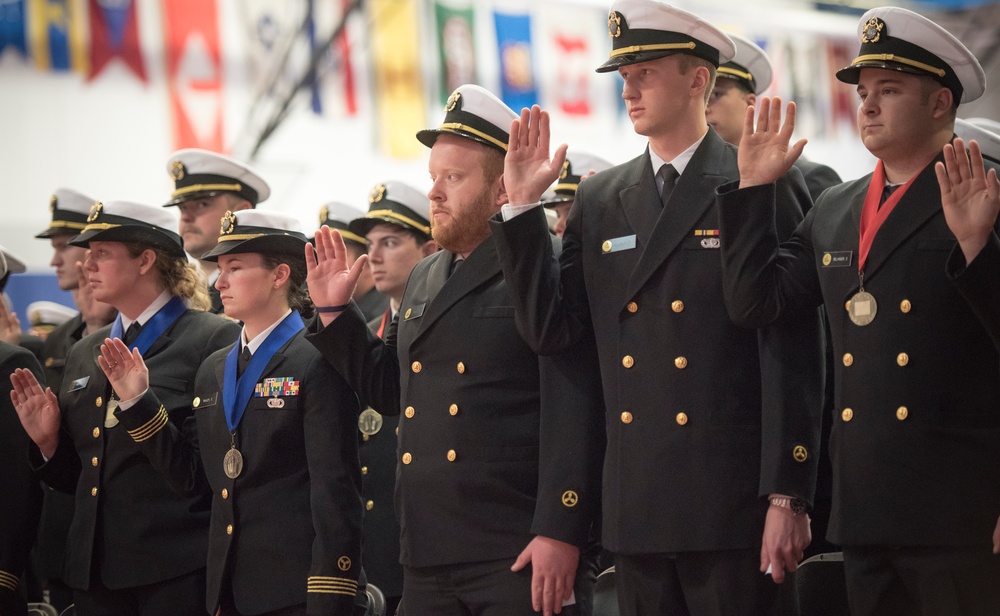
{"x":287,"y":530}
{"x":128,"y":521}
{"x":916,"y":434}
{"x":489,"y":451}
{"x":704,"y":417}
{"x":378,"y":481}
{"x":19,"y":516}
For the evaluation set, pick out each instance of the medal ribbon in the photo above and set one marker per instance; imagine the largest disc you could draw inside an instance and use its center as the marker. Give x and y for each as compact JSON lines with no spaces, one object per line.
{"x":872,"y":216}
{"x":236,"y":392}
{"x":154,"y":327}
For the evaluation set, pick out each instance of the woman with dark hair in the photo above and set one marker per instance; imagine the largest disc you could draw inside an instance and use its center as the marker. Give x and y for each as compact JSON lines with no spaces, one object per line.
{"x":275,"y":437}
{"x":136,"y":547}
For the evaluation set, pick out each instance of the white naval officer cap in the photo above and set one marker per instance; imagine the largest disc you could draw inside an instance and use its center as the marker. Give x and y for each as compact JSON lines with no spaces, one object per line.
{"x":985,"y":132}
{"x":124,"y":221}
{"x":10,"y":264}
{"x":337,"y":215}
{"x":475,"y":113}
{"x":69,"y":213}
{"x":575,"y":167}
{"x":643,"y":30}
{"x":258,"y":231}
{"x":396,"y":203}
{"x":750,"y":66}
{"x":897,"y":39}
{"x":198,"y":174}
{"x":45,"y":312}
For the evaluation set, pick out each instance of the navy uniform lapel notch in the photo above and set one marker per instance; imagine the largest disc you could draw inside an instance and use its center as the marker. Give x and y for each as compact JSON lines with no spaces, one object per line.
{"x":693,"y":195}
{"x":639,"y":199}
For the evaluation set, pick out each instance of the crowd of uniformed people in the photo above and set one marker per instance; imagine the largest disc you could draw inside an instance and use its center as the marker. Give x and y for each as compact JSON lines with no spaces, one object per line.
{"x":700,"y":366}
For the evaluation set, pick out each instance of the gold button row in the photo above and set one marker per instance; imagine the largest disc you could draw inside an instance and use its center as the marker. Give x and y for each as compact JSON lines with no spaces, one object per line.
{"x":901,"y":414}
{"x":902,"y":359}
{"x":417,"y":367}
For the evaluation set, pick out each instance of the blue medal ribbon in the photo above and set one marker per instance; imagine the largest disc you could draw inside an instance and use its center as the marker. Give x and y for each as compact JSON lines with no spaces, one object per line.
{"x":236,"y":392}
{"x":154,"y":328}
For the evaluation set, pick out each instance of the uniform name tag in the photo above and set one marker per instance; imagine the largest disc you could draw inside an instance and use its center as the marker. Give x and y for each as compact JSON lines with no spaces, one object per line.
{"x":79,"y":383}
{"x":200,"y":403}
{"x":838,"y":259}
{"x":414,"y":312}
{"x":617,"y":244}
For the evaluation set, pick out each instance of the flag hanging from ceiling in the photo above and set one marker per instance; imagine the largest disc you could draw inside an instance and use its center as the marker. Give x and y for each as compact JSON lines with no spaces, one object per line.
{"x":12,"y":27}
{"x":56,"y":34}
{"x":456,"y":45}
{"x":517,"y":79}
{"x":114,"y":33}
{"x":194,"y":73}
{"x":399,"y":89}
{"x":342,"y":45}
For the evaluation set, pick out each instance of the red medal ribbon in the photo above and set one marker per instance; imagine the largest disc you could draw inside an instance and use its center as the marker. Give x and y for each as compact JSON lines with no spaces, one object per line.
{"x":385,"y":320}
{"x":872,"y":216}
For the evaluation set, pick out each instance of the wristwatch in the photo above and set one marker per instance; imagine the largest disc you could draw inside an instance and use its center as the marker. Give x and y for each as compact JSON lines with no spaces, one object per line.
{"x":797,"y":505}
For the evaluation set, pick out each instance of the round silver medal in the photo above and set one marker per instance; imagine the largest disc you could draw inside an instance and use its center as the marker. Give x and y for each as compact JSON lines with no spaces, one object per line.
{"x":862,"y":308}
{"x":232,"y":463}
{"x":369,"y":421}
{"x":110,"y":421}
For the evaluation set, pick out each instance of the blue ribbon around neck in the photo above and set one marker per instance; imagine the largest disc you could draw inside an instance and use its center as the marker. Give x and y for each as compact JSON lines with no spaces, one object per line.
{"x":154,"y":328}
{"x":236,"y":392}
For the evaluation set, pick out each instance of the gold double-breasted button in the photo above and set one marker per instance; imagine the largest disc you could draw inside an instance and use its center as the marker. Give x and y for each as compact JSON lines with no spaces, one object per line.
{"x":905,"y":306}
{"x":96,"y":432}
{"x":93,"y":461}
{"x":229,"y":529}
{"x":93,"y":491}
{"x":628,"y":361}
{"x":369,"y":505}
{"x":407,"y":458}
{"x":902,"y":413}
{"x":800,"y":453}
{"x":416,"y":367}
{"x":453,"y":410}
{"x":632,"y":307}
{"x":364,"y":437}
{"x":364,"y":470}
{"x":682,"y":419}
{"x":902,"y":359}
{"x":99,"y":402}
{"x":681,"y":363}
{"x":677,"y":305}
{"x":848,"y":359}
{"x":460,"y":367}
{"x":452,"y":456}
{"x":847,"y":414}
{"x":225,"y":494}
{"x":626,"y":417}
{"x":409,"y":411}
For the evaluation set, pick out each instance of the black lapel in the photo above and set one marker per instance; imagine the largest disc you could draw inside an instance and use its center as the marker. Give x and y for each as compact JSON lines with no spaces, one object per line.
{"x":639,"y":199}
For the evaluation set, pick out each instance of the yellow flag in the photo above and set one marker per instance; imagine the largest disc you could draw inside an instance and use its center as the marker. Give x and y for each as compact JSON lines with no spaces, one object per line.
{"x":399,"y":89}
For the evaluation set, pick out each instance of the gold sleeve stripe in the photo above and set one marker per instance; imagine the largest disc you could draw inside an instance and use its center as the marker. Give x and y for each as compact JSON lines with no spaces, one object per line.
{"x":151,"y":427}
{"x":332,"y":586}
{"x":9,"y":580}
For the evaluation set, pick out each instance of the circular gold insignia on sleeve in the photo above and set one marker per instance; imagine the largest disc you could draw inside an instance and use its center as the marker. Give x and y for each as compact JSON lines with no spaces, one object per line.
{"x":377,"y":193}
{"x":800,"y":453}
{"x":565,"y":170}
{"x":570,"y":498}
{"x":344,"y":563}
{"x":614,"y":24}
{"x":177,"y":170}
{"x":324,"y":214}
{"x":453,"y":101}
{"x":95,"y":211}
{"x":228,"y":223}
{"x":53,"y":203}
{"x":872,"y":31}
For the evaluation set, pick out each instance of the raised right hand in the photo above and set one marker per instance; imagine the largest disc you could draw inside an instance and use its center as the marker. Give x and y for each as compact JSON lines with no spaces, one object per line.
{"x":764,"y":154}
{"x":330,"y":278}
{"x":126,"y":371}
{"x":38,"y":410}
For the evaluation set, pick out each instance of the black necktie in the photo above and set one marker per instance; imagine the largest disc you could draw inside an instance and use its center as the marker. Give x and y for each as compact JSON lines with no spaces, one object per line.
{"x":887,"y":192}
{"x":455,"y":265}
{"x":132,"y":333}
{"x":669,"y":176}
{"x":243,"y":361}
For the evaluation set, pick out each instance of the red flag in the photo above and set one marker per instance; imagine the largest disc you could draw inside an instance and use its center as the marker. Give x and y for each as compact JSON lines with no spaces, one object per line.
{"x":194,"y":73}
{"x":574,"y":82}
{"x":343,"y":48}
{"x":114,"y":32}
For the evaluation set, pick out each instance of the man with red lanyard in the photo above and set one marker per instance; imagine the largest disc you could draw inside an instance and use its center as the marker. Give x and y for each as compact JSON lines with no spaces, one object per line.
{"x":399,"y":236}
{"x":913,"y":314}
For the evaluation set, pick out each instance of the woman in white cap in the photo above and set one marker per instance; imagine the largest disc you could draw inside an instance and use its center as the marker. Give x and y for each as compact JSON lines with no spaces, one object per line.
{"x":136,"y":546}
{"x":275,"y":430}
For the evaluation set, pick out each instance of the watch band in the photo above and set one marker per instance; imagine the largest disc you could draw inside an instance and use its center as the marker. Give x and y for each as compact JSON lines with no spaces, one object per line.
{"x":797,"y":505}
